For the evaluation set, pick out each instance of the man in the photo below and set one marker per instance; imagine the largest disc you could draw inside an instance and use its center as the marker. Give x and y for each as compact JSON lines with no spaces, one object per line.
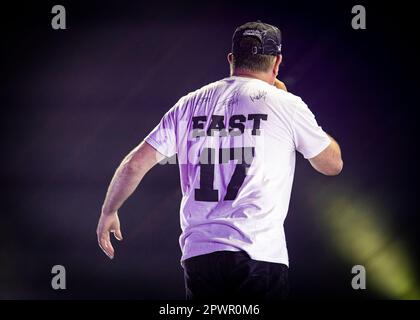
{"x":236,"y":141}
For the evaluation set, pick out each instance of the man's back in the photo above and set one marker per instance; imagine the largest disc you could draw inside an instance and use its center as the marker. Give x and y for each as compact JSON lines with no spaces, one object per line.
{"x":236,"y":140}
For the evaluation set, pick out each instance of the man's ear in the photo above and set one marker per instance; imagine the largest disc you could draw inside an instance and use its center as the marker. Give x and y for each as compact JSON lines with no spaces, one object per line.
{"x":277,"y":64}
{"x":230,"y":57}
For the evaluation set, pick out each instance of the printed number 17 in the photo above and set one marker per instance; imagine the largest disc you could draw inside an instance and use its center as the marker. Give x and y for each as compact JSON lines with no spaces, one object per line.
{"x":206,"y":192}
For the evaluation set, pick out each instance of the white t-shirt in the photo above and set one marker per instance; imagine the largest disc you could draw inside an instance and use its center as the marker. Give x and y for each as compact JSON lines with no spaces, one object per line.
{"x":236,"y":140}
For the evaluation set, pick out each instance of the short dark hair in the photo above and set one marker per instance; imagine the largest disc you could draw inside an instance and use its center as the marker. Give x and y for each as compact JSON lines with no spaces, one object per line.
{"x":253,"y":62}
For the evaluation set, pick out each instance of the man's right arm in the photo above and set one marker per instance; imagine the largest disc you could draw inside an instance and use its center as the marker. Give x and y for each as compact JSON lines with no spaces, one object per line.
{"x":329,"y":161}
{"x":322,"y":151}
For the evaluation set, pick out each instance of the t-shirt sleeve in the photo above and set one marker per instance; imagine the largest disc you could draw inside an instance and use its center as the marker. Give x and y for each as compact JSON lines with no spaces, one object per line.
{"x":163,"y":136}
{"x":308,"y":136}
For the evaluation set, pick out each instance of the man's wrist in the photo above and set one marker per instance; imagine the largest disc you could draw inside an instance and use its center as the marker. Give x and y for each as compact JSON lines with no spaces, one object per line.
{"x":107,"y":211}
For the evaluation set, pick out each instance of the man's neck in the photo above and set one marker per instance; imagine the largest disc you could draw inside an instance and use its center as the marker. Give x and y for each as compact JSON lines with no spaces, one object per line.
{"x":255,"y":75}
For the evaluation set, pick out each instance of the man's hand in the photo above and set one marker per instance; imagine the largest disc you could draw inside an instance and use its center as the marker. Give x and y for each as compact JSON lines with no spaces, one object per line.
{"x":280,"y":85}
{"x":108,"y":223}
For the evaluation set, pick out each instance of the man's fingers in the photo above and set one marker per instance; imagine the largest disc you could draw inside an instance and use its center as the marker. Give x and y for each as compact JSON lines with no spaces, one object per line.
{"x":118,"y":234}
{"x":106,"y":225}
{"x":105,"y":244}
{"x":280,"y":85}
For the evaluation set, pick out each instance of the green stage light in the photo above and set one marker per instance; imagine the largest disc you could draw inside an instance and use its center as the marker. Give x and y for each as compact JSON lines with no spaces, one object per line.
{"x":360,"y":232}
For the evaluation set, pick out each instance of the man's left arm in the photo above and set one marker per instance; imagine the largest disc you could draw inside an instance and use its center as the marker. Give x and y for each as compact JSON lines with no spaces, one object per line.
{"x":126,"y":179}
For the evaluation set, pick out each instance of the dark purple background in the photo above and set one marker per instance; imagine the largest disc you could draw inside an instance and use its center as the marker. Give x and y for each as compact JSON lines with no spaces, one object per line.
{"x":74,"y":102}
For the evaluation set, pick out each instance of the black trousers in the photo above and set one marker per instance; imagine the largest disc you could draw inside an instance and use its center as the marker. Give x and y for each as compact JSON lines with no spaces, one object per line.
{"x":233,"y":275}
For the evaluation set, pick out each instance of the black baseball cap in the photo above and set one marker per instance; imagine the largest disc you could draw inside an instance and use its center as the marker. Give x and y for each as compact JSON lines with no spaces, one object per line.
{"x":268,"y":35}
